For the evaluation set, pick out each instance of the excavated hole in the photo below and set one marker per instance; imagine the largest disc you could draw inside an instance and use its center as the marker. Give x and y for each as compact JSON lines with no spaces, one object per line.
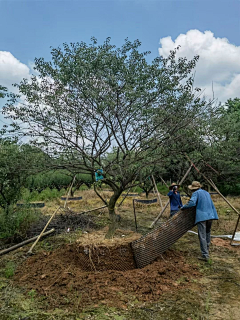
{"x":88,"y":274}
{"x":100,"y":258}
{"x":84,"y":258}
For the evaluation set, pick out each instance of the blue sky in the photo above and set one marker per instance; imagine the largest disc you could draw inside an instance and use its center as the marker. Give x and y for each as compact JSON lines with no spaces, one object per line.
{"x":29,"y":28}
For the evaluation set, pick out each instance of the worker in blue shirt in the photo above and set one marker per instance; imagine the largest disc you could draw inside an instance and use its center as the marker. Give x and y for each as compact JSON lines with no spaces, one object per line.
{"x":175,"y":199}
{"x":205,"y":213}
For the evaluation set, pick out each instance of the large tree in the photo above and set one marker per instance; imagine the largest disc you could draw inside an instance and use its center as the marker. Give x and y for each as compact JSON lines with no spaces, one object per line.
{"x":107,"y":108}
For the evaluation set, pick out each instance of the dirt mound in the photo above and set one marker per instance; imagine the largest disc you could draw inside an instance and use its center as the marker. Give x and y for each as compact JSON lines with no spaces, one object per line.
{"x":66,"y":276}
{"x":224,"y":243}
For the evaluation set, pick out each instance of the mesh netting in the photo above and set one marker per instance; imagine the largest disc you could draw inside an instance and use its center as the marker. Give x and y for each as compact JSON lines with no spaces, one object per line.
{"x":104,"y":258}
{"x":152,"y":245}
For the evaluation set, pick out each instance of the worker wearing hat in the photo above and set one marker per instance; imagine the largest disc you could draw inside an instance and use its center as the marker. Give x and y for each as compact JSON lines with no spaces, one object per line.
{"x":175,"y":199}
{"x":205,"y":213}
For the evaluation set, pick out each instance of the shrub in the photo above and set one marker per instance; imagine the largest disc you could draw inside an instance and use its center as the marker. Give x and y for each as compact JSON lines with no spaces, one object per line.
{"x":17,"y":222}
{"x":46,"y":195}
{"x":227,"y":189}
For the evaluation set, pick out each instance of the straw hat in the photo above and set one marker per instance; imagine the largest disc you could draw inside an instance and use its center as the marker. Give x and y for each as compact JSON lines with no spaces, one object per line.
{"x":195,"y":185}
{"x":173,"y":185}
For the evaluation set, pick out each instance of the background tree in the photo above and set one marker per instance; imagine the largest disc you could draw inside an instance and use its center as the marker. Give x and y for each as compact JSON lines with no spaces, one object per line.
{"x":103,"y":107}
{"x":16,"y":163}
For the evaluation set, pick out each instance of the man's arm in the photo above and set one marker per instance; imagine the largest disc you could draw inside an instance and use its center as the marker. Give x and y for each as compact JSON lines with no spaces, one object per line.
{"x":170,"y":193}
{"x":192,"y":202}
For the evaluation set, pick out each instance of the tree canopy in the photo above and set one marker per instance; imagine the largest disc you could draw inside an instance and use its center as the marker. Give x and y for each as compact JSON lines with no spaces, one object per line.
{"x":102,"y":107}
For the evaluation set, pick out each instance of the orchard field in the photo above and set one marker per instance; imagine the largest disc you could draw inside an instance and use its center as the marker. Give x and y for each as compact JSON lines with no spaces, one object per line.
{"x":55,"y":283}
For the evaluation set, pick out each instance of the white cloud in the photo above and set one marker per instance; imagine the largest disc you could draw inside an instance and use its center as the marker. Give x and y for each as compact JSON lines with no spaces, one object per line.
{"x":219,"y":61}
{"x":11,"y":70}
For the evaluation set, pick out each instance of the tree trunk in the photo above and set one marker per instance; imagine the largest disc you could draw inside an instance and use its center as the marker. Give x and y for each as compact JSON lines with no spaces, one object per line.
{"x":114,"y":219}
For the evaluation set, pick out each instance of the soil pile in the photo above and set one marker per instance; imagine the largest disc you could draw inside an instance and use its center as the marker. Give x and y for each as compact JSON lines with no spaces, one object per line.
{"x":66,"y":276}
{"x":224,"y":243}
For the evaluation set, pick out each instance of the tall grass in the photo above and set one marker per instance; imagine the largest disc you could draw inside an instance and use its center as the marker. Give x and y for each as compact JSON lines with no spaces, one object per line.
{"x":17,"y":221}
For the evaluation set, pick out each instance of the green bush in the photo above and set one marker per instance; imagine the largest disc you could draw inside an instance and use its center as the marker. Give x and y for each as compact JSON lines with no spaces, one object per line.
{"x":16,"y":222}
{"x":227,"y":189}
{"x":46,"y":195}
{"x":163,"y":189}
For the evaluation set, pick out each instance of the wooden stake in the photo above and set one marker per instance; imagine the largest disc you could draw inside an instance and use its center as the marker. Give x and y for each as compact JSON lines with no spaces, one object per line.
{"x":155,"y":186}
{"x":235,"y":230}
{"x":69,"y":192}
{"x":160,"y":214}
{"x":164,"y":182}
{"x":134,"y":211}
{"x":38,"y":238}
{"x":16,"y":246}
{"x":92,"y":210}
{"x":214,"y":187}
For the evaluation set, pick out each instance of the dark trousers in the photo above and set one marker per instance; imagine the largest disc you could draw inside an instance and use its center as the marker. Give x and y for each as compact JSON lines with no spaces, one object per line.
{"x":204,"y":235}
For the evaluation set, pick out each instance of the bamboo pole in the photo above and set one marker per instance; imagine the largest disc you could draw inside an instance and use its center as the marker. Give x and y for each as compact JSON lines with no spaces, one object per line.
{"x":213,"y":185}
{"x":235,"y":231}
{"x":92,"y":210}
{"x":124,"y":197}
{"x":134,"y":211}
{"x":155,"y":186}
{"x":38,"y":238}
{"x":166,"y":205}
{"x":222,"y":196}
{"x":16,"y":246}
{"x":160,"y":214}
{"x":164,"y":181}
{"x":69,"y":192}
{"x":126,"y":194}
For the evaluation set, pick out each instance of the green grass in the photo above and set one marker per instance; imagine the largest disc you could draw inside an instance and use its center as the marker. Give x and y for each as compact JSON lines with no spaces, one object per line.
{"x":32,"y":293}
{"x":9,"y":269}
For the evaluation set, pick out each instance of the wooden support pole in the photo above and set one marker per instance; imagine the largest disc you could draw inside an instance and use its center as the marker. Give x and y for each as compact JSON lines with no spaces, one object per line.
{"x":92,"y":210}
{"x":134,"y":211}
{"x":164,"y":182}
{"x":160,"y":214}
{"x":235,"y":231}
{"x":126,"y":194}
{"x":69,"y":192}
{"x":38,"y":238}
{"x":166,"y":205}
{"x":124,"y":197}
{"x":16,"y":246}
{"x":214,"y":187}
{"x":155,"y":186}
